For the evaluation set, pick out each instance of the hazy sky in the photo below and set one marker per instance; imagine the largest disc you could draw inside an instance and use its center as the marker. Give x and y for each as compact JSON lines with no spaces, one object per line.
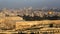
{"x":28,"y":3}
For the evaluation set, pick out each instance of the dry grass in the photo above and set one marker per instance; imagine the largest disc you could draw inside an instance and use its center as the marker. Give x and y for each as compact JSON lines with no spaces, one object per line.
{"x":29,"y":24}
{"x":7,"y":23}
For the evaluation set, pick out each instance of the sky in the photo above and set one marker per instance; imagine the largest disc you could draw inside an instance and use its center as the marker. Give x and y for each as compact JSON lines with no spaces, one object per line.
{"x":29,"y":3}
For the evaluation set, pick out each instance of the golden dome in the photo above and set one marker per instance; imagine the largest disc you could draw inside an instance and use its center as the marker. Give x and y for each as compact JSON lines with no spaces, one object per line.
{"x":50,"y":12}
